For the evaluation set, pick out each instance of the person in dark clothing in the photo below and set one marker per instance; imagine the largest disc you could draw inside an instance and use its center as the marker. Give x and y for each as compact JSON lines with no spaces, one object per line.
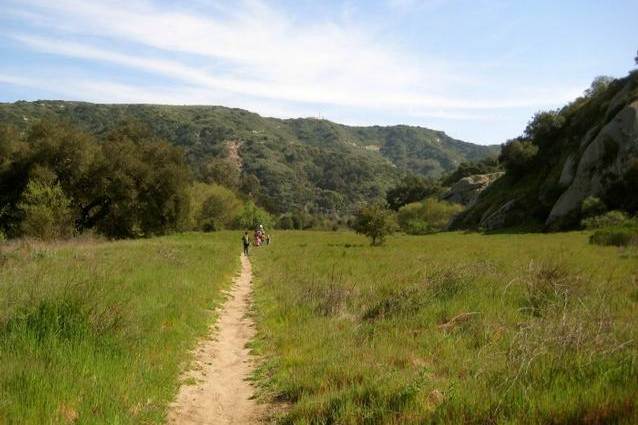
{"x":246,"y":241}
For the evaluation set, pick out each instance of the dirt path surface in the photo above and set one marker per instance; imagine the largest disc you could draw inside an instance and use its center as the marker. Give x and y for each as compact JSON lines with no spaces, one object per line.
{"x":222,"y":395}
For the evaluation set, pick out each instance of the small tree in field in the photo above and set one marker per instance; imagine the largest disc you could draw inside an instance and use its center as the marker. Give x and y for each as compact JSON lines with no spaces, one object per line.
{"x":376,"y":222}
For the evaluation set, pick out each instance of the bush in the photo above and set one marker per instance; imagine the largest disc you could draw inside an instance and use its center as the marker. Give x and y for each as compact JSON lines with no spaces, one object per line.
{"x":518,"y":156}
{"x":592,"y":207}
{"x":375,"y":221}
{"x":599,"y":85}
{"x":610,"y":219}
{"x":615,"y":236}
{"x":213,"y":207}
{"x":428,"y":216}
{"x":543,"y":126}
{"x":411,"y":189}
{"x":46,"y":209}
{"x":622,"y":193}
{"x":286,"y":222}
{"x":252,"y":216}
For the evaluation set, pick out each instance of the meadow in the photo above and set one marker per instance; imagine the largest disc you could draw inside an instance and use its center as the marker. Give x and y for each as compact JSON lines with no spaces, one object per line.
{"x":97,"y":332}
{"x":449,"y":328}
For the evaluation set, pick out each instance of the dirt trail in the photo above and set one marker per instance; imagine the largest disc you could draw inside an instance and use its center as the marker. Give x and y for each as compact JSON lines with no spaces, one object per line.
{"x":222,"y":394}
{"x":233,"y":154}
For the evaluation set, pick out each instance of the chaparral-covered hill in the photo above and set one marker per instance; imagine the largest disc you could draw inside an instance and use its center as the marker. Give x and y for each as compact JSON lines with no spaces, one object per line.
{"x":286,"y":164}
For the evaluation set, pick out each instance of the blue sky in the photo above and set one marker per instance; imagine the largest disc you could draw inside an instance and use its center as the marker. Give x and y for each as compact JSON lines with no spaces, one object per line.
{"x":475,"y":69}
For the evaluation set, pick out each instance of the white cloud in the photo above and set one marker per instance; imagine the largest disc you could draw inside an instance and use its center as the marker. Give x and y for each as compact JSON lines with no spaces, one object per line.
{"x":250,"y":54}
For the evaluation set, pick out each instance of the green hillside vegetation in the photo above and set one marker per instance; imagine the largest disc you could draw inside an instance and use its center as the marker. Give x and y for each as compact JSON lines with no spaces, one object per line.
{"x":592,"y":140}
{"x":449,"y":328}
{"x":291,"y":165}
{"x":96,"y":332}
{"x":56,"y":181}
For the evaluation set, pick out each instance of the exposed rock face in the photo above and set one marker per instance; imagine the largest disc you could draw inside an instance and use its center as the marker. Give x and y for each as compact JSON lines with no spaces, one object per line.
{"x":569,"y":169}
{"x":497,"y":219}
{"x":467,"y":190}
{"x":605,"y":158}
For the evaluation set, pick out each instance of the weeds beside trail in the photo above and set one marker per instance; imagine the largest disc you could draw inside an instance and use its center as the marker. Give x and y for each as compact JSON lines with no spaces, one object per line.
{"x":96,"y":332}
{"x":448,"y":329}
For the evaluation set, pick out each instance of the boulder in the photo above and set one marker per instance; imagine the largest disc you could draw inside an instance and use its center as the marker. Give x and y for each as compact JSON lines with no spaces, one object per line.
{"x":467,"y":190}
{"x":569,"y":170}
{"x":607,"y":157}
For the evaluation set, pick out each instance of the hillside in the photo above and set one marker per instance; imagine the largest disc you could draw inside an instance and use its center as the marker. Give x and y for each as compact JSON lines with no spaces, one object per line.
{"x":587,"y":149}
{"x":286,"y":164}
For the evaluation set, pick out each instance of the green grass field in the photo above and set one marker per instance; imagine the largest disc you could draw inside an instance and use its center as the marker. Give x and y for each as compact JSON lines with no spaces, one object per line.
{"x":97,"y":332}
{"x":445,"y":329}
{"x":448,"y":329}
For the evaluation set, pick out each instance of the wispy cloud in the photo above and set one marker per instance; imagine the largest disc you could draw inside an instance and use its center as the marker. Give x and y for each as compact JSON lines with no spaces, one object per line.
{"x":250,"y":53}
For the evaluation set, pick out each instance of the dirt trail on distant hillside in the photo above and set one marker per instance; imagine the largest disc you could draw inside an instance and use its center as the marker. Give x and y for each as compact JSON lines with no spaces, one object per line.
{"x":222,"y":394}
{"x":233,"y":154}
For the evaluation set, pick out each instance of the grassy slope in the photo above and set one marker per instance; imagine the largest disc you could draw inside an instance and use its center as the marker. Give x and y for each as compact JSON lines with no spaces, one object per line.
{"x":98,"y":331}
{"x":353,"y":334}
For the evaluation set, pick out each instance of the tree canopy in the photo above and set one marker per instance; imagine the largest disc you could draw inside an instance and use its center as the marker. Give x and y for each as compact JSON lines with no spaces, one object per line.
{"x":375,"y":221}
{"x":55,"y":175}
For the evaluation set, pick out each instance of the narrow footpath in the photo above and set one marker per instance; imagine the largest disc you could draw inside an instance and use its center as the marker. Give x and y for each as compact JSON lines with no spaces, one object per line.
{"x":221,"y":393}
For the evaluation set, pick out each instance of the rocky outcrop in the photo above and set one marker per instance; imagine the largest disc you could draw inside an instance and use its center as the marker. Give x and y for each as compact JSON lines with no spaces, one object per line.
{"x":467,"y":190}
{"x":588,"y":148}
{"x":498,"y":219}
{"x":606,"y":158}
{"x":569,"y":171}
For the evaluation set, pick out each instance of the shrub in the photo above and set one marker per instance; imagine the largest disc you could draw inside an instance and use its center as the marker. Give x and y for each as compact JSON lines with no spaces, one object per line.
{"x":610,"y":219}
{"x":213,"y":207}
{"x":45,"y":208}
{"x":286,"y":222}
{"x":599,"y":85}
{"x":411,"y":189}
{"x":615,"y":236}
{"x":375,"y":221}
{"x":548,"y":284}
{"x":592,"y":206}
{"x":621,"y":193}
{"x":543,"y":126}
{"x":518,"y":155}
{"x":252,"y":216}
{"x":428,"y":216}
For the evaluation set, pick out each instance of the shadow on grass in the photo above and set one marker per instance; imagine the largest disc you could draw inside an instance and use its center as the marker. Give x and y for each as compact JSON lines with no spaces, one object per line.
{"x":345,"y":245}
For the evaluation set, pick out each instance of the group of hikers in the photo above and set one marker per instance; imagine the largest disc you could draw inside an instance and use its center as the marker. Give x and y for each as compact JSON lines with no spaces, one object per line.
{"x":261,"y":238}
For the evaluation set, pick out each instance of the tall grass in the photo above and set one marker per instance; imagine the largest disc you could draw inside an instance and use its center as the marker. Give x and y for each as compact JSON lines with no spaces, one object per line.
{"x":97,"y":332}
{"x":448,"y":328}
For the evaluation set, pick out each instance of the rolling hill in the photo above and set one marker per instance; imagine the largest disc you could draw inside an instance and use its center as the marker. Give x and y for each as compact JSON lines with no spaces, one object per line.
{"x":286,"y":163}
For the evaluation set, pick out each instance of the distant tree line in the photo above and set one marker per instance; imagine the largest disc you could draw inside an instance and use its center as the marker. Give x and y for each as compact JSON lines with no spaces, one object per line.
{"x":57,"y":181}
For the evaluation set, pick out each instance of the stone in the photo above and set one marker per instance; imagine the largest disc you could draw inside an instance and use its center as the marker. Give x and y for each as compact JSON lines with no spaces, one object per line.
{"x":608,"y":155}
{"x":468,"y":189}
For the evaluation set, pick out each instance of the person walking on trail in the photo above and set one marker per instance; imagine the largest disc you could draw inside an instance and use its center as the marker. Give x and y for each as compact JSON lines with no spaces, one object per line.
{"x":246,"y":242}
